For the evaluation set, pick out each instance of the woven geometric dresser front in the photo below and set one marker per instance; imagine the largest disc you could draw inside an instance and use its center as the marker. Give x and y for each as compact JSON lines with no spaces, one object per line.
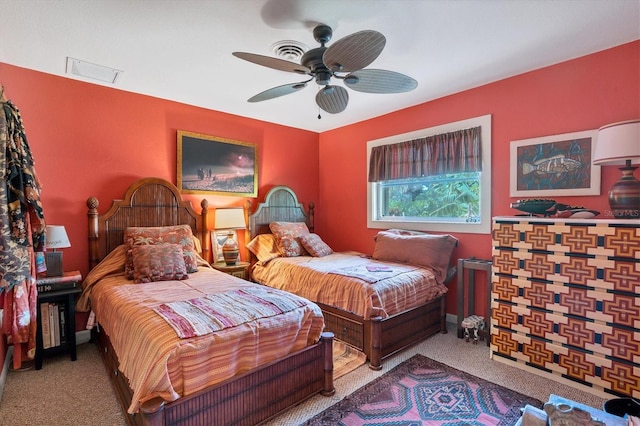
{"x":565,"y":300}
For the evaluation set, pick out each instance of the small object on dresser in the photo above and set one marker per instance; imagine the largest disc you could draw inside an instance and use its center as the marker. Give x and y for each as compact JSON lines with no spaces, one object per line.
{"x":534,"y":206}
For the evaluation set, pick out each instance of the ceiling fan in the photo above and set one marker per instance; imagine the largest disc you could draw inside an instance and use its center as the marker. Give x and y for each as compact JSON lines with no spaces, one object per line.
{"x":344,"y":60}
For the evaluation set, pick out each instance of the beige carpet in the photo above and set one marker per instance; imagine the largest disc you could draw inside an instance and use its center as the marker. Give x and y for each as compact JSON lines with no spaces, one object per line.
{"x":345,"y":359}
{"x":79,"y":393}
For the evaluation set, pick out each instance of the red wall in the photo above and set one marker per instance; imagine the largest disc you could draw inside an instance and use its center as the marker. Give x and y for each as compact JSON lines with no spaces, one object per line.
{"x":89,"y":140}
{"x":92,"y":140}
{"x":581,"y":94}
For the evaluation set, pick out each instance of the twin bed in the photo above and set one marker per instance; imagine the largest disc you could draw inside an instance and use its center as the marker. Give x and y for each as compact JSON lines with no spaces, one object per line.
{"x":170,"y":366}
{"x":178,"y":350}
{"x":379,"y":304}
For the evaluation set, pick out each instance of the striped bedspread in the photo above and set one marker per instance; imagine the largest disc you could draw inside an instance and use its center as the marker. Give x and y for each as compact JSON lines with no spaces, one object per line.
{"x":158,"y":363}
{"x":372,"y":272}
{"x":342,"y":280}
{"x":204,"y":315}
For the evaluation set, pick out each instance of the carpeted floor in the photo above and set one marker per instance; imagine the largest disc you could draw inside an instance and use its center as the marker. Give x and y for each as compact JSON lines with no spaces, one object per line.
{"x":79,"y":393}
{"x":345,"y":359}
{"x":423,"y":390}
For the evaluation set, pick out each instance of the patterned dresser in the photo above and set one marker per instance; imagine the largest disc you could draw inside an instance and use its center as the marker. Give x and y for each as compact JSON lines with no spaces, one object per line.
{"x":565,"y":300}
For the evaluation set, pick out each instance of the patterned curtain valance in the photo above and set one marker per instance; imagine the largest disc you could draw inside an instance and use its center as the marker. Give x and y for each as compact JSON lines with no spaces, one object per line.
{"x":455,"y":152}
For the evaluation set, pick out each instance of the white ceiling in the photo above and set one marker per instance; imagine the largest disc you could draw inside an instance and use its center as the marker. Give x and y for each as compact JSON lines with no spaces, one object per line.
{"x":181,"y":49}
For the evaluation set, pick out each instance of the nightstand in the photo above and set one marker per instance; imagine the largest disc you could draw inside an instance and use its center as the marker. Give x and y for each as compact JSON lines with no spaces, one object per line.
{"x":240,"y":269}
{"x":56,"y":324}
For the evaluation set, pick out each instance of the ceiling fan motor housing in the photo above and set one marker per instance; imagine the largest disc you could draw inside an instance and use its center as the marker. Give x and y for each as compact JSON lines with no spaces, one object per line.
{"x":313,"y":60}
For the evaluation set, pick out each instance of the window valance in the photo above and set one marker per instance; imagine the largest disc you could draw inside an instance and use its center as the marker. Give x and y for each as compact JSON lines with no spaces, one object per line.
{"x":459,"y":151}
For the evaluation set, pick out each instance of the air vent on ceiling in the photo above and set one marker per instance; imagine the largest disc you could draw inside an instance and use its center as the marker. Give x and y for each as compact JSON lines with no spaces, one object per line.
{"x":93,"y":71}
{"x":289,"y":50}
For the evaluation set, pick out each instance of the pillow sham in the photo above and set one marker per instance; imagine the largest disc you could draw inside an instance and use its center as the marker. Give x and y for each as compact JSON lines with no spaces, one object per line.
{"x":179,"y":234}
{"x":263,"y":246}
{"x":313,"y":244}
{"x":287,"y":235}
{"x":429,"y":250}
{"x":159,"y":262}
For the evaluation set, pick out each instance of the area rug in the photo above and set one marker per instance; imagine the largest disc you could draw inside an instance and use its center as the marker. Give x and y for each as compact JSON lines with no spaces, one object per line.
{"x":346,"y":358}
{"x":421,"y":391}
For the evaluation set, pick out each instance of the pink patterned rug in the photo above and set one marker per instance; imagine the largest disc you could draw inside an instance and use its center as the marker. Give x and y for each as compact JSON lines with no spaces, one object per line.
{"x":421,"y":391}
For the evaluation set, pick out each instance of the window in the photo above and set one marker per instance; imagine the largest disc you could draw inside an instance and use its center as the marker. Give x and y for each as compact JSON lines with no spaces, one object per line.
{"x":436,"y":190}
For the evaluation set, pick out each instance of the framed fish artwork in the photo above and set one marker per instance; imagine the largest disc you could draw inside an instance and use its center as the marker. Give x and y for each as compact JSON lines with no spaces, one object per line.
{"x":554,"y":165}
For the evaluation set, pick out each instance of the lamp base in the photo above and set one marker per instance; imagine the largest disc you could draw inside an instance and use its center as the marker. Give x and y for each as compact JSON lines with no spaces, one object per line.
{"x":230,"y":250}
{"x":624,"y":195}
{"x":54,"y":263}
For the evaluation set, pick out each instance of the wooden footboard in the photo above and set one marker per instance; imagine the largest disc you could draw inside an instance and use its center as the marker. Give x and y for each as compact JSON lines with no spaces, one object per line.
{"x":380,"y":338}
{"x":250,"y":398}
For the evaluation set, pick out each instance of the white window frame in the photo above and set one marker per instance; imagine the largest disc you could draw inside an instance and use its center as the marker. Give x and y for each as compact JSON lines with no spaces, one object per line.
{"x":484,"y":226}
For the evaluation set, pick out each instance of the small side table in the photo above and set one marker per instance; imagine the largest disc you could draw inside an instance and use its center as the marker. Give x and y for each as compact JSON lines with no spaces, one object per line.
{"x":65,"y":299}
{"x":240,"y":269}
{"x":471,"y":265}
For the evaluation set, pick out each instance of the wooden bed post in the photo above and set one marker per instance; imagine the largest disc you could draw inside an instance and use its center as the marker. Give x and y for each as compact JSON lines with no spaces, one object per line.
{"x":92,"y":213}
{"x":204,"y":238}
{"x":152,"y":412}
{"x":311,"y":217}
{"x":247,"y":231}
{"x":327,"y":341}
{"x":443,"y":315}
{"x":375,"y":357}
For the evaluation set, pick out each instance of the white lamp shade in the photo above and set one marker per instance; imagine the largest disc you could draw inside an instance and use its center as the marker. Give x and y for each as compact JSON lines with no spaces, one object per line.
{"x":229,"y":218}
{"x":56,"y":237}
{"x":617,"y":143}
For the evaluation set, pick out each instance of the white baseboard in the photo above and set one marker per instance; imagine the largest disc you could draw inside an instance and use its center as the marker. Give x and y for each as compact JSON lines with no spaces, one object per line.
{"x":452,"y":318}
{"x":5,"y":369}
{"x":83,"y":336}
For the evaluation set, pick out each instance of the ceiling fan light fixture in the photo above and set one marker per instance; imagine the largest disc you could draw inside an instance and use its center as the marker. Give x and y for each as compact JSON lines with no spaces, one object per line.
{"x":323,"y":78}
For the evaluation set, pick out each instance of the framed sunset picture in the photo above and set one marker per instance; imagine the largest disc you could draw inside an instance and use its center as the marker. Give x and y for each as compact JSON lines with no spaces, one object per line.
{"x":210,"y":164}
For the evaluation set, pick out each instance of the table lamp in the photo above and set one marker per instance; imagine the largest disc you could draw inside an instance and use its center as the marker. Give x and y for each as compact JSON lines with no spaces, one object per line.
{"x":230,"y":219}
{"x":56,"y":238}
{"x":619,"y":144}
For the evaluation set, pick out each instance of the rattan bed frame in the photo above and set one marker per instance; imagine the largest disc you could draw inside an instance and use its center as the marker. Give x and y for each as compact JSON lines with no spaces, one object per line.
{"x":249,"y":398}
{"x":378,"y":338}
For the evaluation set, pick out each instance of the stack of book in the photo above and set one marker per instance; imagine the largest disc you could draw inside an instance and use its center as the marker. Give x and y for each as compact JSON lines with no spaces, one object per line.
{"x":53,"y":320}
{"x":67,"y":281}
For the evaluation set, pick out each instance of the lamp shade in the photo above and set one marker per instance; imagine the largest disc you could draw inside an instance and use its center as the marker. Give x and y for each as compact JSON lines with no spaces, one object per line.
{"x":617,"y":143}
{"x":56,"y":237}
{"x":229,"y":218}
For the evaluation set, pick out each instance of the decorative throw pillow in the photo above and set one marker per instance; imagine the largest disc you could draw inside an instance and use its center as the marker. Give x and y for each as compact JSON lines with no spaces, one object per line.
{"x":264,"y":247}
{"x":287,"y":235}
{"x":180,"y":234}
{"x":159,"y":262}
{"x":428,"y":250}
{"x":315,"y":246}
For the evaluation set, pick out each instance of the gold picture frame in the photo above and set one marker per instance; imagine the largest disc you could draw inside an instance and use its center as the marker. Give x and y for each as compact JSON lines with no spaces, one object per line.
{"x":214,"y":165}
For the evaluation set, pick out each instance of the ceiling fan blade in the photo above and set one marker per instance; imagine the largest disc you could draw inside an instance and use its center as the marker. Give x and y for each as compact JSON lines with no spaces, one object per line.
{"x":276,"y":92}
{"x":354,"y":52}
{"x":275,"y":63}
{"x":380,"y":81}
{"x":333,"y":99}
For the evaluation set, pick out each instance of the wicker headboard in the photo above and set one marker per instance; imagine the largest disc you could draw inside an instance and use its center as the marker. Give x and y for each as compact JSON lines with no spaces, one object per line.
{"x":279,"y":205}
{"x":147,"y":202}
